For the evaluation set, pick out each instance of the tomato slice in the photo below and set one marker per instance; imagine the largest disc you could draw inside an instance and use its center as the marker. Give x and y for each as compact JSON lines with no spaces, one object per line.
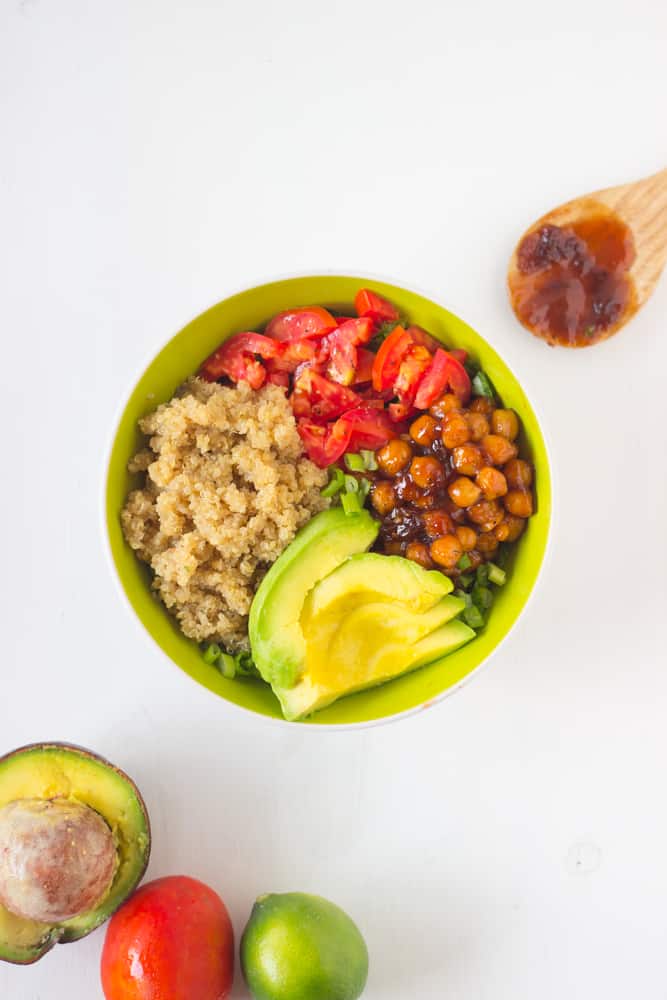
{"x":292,"y":353}
{"x":422,"y":337}
{"x":236,"y":358}
{"x":326,"y":399}
{"x":458,"y":379}
{"x":434,"y":381}
{"x":415,"y":362}
{"x":342,"y":344}
{"x":371,"y":428}
{"x":364,"y":371}
{"x":295,"y":324}
{"x":459,"y":354}
{"x":278,"y":378}
{"x":324,"y":444}
{"x":388,"y":358}
{"x":369,"y":303}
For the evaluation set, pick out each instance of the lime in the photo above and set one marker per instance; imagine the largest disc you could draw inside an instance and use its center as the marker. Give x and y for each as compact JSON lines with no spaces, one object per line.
{"x":301,"y":947}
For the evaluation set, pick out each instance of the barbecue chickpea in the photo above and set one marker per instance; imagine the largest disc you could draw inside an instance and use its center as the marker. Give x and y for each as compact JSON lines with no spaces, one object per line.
{"x":509,"y":529}
{"x":393,"y":456}
{"x":519,"y":474}
{"x":467,"y":537}
{"x":419,"y":553}
{"x":498,"y":449}
{"x":424,"y":430}
{"x":482,"y":405}
{"x":383,"y":498}
{"x":455,"y":430}
{"x":467,"y":459}
{"x":487,"y":543}
{"x":487,"y":514}
{"x":446,"y":404}
{"x":491,"y":482}
{"x":438,"y":522}
{"x":478,"y":424}
{"x":505,"y":423}
{"x":426,"y":471}
{"x":464,"y":492}
{"x":519,"y":503}
{"x":446,"y":551}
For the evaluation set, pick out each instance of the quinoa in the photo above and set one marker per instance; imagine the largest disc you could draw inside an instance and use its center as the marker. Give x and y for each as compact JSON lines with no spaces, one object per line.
{"x":226,"y":487}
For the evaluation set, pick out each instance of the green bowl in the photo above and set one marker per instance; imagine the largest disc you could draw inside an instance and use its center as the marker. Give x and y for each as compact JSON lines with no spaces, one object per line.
{"x":182,"y":356}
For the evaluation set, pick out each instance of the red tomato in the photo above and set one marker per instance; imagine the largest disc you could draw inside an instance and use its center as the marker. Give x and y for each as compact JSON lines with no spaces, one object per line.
{"x":342,"y":345}
{"x":458,"y":379}
{"x":173,"y":938}
{"x":278,"y":378}
{"x":389,"y":357}
{"x":410,"y":372}
{"x":364,"y":372}
{"x":324,"y":444}
{"x":368,"y":303}
{"x":236,"y":359}
{"x":420,"y":336}
{"x":459,"y":354}
{"x":308,"y":321}
{"x":434,"y":382}
{"x":324,"y":399}
{"x":290,"y":354}
{"x":370,"y":427}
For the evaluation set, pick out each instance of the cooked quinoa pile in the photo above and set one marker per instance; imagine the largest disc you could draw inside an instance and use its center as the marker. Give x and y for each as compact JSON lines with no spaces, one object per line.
{"x":226,"y":488}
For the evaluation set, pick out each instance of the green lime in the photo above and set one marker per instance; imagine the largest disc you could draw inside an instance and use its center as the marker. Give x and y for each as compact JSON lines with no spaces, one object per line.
{"x":301,"y":947}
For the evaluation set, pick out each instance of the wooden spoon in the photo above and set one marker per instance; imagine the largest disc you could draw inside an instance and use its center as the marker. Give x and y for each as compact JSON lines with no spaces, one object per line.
{"x":582,"y":271}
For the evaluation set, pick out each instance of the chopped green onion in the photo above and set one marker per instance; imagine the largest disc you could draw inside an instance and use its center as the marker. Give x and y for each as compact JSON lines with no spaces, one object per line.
{"x":497,"y":575}
{"x":364,"y":487}
{"x":245,"y":665}
{"x":355,"y":463}
{"x":481,"y":386}
{"x":212,"y":653}
{"x":482,"y":597}
{"x":351,"y":485}
{"x":465,"y":579}
{"x":331,"y":489}
{"x":350,"y":503}
{"x":473,"y":617}
{"x":464,"y":562}
{"x":369,"y":459}
{"x":482,"y":574}
{"x":227,"y":664}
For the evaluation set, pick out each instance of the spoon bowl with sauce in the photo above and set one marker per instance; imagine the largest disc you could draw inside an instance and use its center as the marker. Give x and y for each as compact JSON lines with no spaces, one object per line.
{"x":583,"y":270}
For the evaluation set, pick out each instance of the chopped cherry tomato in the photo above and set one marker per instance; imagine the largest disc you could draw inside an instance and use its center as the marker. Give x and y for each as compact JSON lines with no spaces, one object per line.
{"x":459,"y":354}
{"x":364,"y":372}
{"x":400,"y":411}
{"x":410,"y":372}
{"x":388,"y":358}
{"x":458,"y":378}
{"x":326,"y":399}
{"x":342,"y":344}
{"x":343,"y":319}
{"x":371,"y":428}
{"x":292,"y":353}
{"x":420,"y":336}
{"x":324,"y":444}
{"x":434,"y":382}
{"x":294,"y":324}
{"x":278,"y":378}
{"x":236,"y":359}
{"x":368,"y":303}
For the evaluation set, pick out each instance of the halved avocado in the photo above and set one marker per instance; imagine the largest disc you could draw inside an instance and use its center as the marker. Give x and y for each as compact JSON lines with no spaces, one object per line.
{"x":62,"y":773}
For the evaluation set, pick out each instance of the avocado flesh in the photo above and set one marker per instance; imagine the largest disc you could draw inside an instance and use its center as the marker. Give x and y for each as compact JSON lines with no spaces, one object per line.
{"x":276,"y":637}
{"x":59,"y":771}
{"x":374,"y":577}
{"x":371,"y":647}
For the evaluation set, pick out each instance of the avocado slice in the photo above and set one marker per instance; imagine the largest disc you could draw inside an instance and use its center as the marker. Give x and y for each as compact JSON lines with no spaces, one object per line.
{"x":373,"y":644}
{"x":276,"y":637}
{"x":40,"y":779}
{"x":373,"y":577}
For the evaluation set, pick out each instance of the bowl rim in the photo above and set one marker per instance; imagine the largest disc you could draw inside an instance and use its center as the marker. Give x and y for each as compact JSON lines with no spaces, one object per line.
{"x":442,"y":696}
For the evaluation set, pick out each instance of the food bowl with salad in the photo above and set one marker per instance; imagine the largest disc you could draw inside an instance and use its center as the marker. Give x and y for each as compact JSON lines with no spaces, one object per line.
{"x":328,"y":500}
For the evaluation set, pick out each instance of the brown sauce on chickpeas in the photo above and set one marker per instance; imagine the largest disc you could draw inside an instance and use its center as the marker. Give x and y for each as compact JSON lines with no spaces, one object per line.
{"x":453,"y":486}
{"x":571,"y":285}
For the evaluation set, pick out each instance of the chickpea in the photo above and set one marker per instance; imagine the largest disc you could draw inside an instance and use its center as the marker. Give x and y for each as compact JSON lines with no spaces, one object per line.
{"x":519,"y":474}
{"x":467,"y":536}
{"x":383,"y":498}
{"x":424,"y":501}
{"x":455,"y":430}
{"x":491,"y":482}
{"x":419,"y":553}
{"x":519,"y":503}
{"x":482,"y":405}
{"x":446,"y":404}
{"x":446,"y":551}
{"x":509,"y":528}
{"x":424,"y":430}
{"x":467,"y":459}
{"x":437,"y":522}
{"x":487,"y":514}
{"x":426,"y":471}
{"x":487,"y":543}
{"x":505,"y":423}
{"x":394,"y":456}
{"x":498,"y":449}
{"x":478,"y":424}
{"x":464,"y":492}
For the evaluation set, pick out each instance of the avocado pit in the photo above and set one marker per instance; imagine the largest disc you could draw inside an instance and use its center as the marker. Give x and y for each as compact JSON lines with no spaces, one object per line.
{"x":57,"y":859}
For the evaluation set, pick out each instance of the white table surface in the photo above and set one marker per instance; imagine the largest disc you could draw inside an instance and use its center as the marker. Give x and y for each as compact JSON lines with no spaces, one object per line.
{"x":511,"y":843}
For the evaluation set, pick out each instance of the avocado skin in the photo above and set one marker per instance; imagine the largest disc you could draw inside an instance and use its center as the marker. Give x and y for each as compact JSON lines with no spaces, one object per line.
{"x":276,"y":638}
{"x":62,"y":934}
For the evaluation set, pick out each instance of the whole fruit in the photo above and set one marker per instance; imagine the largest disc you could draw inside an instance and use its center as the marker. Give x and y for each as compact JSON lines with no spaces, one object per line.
{"x":172,"y":939}
{"x":301,"y":947}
